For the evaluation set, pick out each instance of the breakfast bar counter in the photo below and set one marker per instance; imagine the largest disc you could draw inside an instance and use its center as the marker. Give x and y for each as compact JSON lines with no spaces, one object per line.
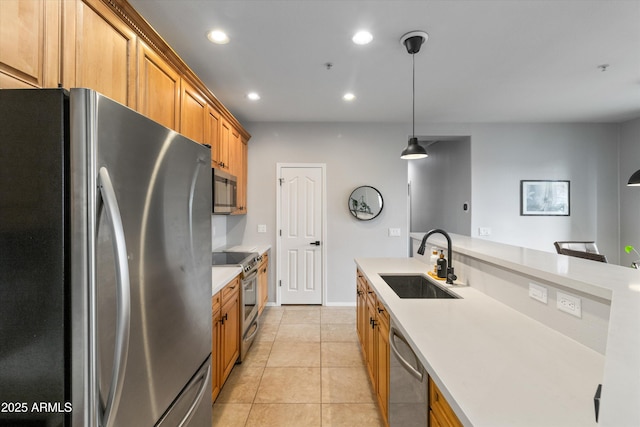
{"x":495,"y":366}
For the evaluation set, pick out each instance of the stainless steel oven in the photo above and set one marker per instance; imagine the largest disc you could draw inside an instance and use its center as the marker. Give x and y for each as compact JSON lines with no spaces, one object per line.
{"x":249,"y":307}
{"x":249,"y":261}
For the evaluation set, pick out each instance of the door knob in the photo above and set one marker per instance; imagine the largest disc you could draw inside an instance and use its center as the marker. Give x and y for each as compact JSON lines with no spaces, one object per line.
{"x":316,"y":243}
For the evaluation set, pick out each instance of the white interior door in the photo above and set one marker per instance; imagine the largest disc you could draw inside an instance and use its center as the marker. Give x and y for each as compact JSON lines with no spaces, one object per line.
{"x":301,"y":253}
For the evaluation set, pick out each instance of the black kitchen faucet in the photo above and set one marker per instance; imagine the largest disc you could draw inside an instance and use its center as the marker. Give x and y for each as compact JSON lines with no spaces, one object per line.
{"x":450,"y":276}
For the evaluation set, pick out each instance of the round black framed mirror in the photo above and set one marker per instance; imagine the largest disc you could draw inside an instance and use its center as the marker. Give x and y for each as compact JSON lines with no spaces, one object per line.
{"x":365,"y":203}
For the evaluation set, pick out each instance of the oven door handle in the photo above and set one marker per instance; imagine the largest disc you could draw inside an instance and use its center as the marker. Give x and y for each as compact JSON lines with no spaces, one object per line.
{"x":250,"y":277}
{"x":253,"y":334}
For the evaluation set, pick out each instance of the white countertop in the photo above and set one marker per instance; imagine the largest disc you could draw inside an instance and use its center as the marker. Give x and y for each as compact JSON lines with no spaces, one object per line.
{"x":221,"y":275}
{"x":621,"y":379}
{"x":496,"y":367}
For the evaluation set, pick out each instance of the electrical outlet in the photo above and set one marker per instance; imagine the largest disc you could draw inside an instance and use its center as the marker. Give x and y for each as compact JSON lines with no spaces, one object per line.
{"x":569,"y":304}
{"x":538,"y":292}
{"x":262,"y":228}
{"x":394,"y":232}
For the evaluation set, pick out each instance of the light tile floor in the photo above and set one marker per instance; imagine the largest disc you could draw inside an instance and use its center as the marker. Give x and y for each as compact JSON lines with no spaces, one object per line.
{"x":305,"y":368}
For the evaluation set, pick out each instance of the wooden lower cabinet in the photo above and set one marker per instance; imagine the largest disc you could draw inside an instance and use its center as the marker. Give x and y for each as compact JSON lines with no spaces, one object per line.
{"x":382,"y":359}
{"x":372,"y":319}
{"x":440,"y":413}
{"x":225,"y":334}
{"x":361,"y":308}
{"x":216,"y":384}
{"x":263,"y":283}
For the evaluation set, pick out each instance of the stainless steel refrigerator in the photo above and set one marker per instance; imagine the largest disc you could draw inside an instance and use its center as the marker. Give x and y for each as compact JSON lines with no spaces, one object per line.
{"x":105,"y":265}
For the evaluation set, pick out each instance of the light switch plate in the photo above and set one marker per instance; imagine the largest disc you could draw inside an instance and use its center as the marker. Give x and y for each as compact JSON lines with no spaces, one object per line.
{"x":262,"y":228}
{"x":394,"y":232}
{"x":538,"y":292}
{"x":484,"y":231}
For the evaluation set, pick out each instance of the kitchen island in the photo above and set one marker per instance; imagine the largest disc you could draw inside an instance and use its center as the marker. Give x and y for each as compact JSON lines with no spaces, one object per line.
{"x":498,"y":361}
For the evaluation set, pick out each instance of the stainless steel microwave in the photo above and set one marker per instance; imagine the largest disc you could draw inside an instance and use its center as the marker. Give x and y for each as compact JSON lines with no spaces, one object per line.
{"x":225,"y":192}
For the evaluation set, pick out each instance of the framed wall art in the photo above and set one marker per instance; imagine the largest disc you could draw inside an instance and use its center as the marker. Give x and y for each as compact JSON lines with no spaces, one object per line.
{"x":544,"y":198}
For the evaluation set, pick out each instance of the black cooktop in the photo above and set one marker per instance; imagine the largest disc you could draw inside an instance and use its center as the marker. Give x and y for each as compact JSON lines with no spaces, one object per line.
{"x":232,"y":258}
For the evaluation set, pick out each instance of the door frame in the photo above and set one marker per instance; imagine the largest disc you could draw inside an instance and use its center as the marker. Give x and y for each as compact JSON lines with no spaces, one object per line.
{"x":323,"y":246}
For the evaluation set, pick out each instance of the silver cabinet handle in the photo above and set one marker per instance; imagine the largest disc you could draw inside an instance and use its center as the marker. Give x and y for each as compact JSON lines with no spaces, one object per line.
{"x":393,"y":332}
{"x":123,"y":321}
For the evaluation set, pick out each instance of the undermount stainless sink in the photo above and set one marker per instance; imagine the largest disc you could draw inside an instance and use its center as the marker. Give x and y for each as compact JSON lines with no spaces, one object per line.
{"x":415,"y":286}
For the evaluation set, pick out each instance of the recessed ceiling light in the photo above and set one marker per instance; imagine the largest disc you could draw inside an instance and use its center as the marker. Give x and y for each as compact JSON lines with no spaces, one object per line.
{"x":362,"y":37}
{"x":253,"y":96}
{"x":218,"y":37}
{"x":348,"y":96}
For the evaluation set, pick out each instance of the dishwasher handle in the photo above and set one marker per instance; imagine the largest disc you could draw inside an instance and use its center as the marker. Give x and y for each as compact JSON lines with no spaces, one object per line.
{"x":393,"y":333}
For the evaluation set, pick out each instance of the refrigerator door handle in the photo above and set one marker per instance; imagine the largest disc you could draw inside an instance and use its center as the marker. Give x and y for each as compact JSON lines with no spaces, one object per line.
{"x":123,"y":297}
{"x":196,"y":401}
{"x":192,"y":194}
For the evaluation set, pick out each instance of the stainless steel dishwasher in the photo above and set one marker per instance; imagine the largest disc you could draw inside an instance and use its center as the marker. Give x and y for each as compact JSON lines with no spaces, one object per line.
{"x":408,"y":404}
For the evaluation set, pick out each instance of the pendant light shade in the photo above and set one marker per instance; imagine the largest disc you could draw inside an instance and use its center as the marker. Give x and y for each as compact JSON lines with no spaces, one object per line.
{"x":414,"y":150}
{"x":634,"y":181}
{"x":412,"y":41}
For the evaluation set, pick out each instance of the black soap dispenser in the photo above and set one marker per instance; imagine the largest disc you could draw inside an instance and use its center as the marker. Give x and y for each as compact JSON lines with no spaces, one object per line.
{"x":442,"y":266}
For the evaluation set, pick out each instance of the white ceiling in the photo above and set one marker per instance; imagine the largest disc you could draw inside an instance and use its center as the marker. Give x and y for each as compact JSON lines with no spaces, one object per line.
{"x":485,"y":60}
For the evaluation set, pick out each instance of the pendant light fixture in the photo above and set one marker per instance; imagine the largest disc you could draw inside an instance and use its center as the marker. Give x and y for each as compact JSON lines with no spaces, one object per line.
{"x":412,"y":41}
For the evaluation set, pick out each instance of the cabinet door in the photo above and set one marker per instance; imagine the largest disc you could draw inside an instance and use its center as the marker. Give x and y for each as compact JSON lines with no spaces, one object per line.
{"x":234,"y":151}
{"x":240,"y":162}
{"x":158,"y":88}
{"x":263,"y":283}
{"x":371,"y":340}
{"x":230,"y":335}
{"x":382,"y":365}
{"x":193,"y":113}
{"x":29,"y":43}
{"x":213,"y":136}
{"x":225,"y":145}
{"x":215,"y":344}
{"x":361,"y":310}
{"x":104,"y":54}
{"x":440,"y":409}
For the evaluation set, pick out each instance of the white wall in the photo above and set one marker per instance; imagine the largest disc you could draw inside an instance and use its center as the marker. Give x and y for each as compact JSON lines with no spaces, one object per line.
{"x":440,"y":186}
{"x":354,"y":154}
{"x":585,"y":154}
{"x":501,"y":155}
{"x":629,"y":196}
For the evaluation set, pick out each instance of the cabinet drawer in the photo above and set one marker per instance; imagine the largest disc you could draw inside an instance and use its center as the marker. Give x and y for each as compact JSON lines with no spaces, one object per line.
{"x":383,"y":314}
{"x":440,"y":408}
{"x":230,"y":290}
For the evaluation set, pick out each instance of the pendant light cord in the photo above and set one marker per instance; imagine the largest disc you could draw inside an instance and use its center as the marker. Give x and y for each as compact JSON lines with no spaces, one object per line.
{"x":413,"y":96}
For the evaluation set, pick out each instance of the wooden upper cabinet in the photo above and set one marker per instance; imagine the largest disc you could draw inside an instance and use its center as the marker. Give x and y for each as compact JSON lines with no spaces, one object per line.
{"x":213,"y":137}
{"x":225,"y":156}
{"x":158,"y":88}
{"x":104,"y":54}
{"x":242,"y":177}
{"x":29,"y":43}
{"x":193,"y":113}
